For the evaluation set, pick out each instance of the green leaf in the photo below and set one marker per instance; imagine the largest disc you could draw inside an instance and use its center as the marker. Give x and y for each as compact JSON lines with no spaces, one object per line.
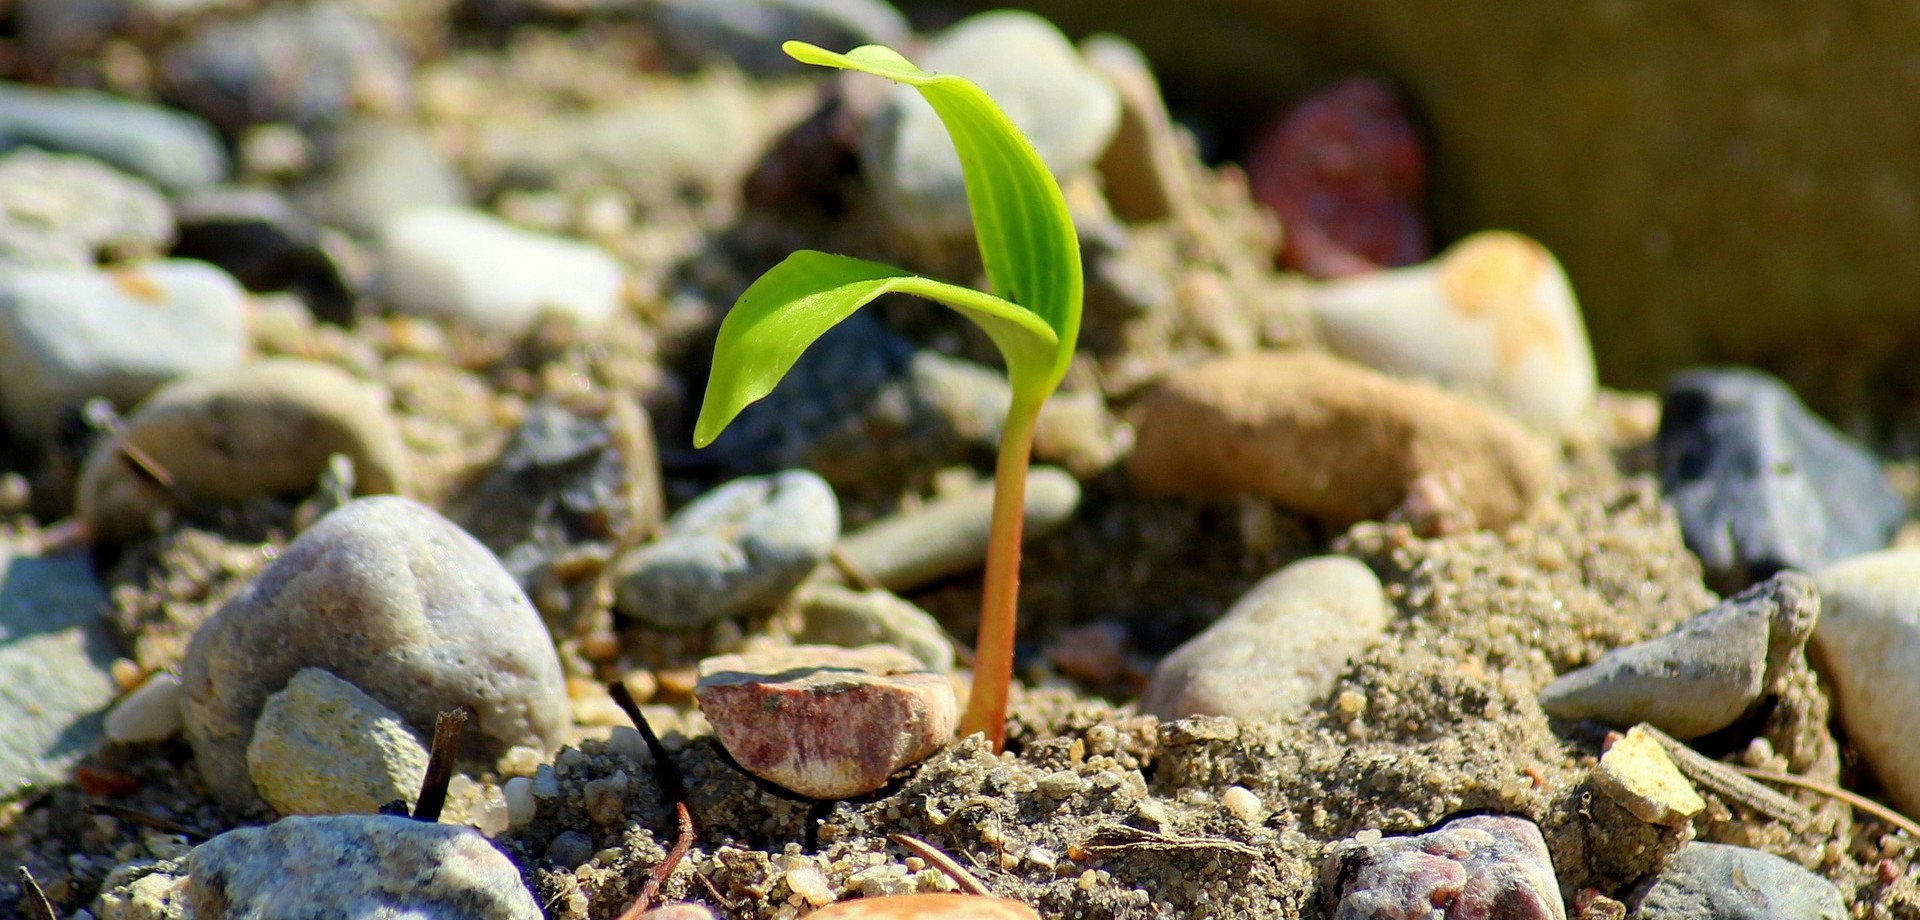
{"x":1020,"y":219}
{"x":810,"y":292}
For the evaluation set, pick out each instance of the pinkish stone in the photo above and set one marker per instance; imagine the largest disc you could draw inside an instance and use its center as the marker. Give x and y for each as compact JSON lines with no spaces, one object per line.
{"x":824,"y":721}
{"x":1485,"y":867}
{"x":928,"y":907}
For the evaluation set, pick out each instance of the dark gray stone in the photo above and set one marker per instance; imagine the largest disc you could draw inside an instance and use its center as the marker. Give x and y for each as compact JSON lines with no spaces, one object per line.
{"x":1711,"y":881}
{"x":1703,"y":675}
{"x":295,"y":63}
{"x":174,"y":150}
{"x":259,"y":238}
{"x":749,"y":32}
{"x":1762,"y":484}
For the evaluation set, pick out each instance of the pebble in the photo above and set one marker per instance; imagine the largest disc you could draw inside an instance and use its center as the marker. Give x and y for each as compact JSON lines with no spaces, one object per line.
{"x":1331,"y":439}
{"x":1144,"y":170}
{"x":681,"y":911}
{"x":1636,"y":772}
{"x":1703,"y":675}
{"x":419,"y":616}
{"x":379,"y":170}
{"x":1345,"y":171}
{"x":1484,"y":867}
{"x":749,"y":32}
{"x":937,"y":906}
{"x":474,"y":267}
{"x":69,"y":335}
{"x":823,"y":721}
{"x":355,"y":866}
{"x":259,"y":430}
{"x":1492,"y":316}
{"x":55,"y":656}
{"x":570,"y":849}
{"x":1278,"y":649}
{"x":259,"y":238}
{"x":1712,"y":881}
{"x":1065,"y":108}
{"x":307,"y":65}
{"x":834,"y":615}
{"x":148,"y":714}
{"x":1762,"y":484}
{"x":948,"y":535}
{"x":1868,"y":644}
{"x":741,"y":548}
{"x":171,"y":149}
{"x":521,"y":805}
{"x":60,"y":211}
{"x":323,"y":747}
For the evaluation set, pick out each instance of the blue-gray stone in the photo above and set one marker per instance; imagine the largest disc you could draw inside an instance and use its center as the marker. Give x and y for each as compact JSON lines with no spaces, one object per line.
{"x":69,"y":335}
{"x":171,"y":149}
{"x":355,"y":866}
{"x":294,"y":63}
{"x":1762,"y":484}
{"x":55,"y":650}
{"x":1711,"y":881}
{"x":736,"y":550}
{"x":749,"y":32}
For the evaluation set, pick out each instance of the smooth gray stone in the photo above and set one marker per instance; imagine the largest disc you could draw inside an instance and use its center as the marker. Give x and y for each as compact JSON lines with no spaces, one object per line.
{"x":749,"y":32}
{"x":834,"y":615}
{"x":1704,"y":674}
{"x":1711,"y":881}
{"x":948,"y":535}
{"x":303,"y":64}
{"x":355,"y":866}
{"x":377,"y":170}
{"x":64,"y":211}
{"x":171,"y":149}
{"x":55,"y":650}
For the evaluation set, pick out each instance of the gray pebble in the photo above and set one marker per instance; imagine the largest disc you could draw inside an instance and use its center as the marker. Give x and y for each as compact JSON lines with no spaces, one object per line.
{"x":1761,"y":484}
{"x":738,"y":549}
{"x":1711,"y":881}
{"x":419,"y":616}
{"x":171,"y":149}
{"x":834,"y":615}
{"x":61,"y":211}
{"x":749,"y":32}
{"x":948,"y":535}
{"x":323,"y":747}
{"x":1033,"y":73}
{"x":268,"y":246}
{"x":303,"y":64}
{"x":1278,"y":649}
{"x":68,"y":335}
{"x":377,"y":170}
{"x":355,"y":866}
{"x":260,"y":430}
{"x":1703,"y":675}
{"x":55,"y":650}
{"x":570,"y":850}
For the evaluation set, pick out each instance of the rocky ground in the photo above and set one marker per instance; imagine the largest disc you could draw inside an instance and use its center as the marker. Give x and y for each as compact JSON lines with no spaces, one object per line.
{"x":300,"y":257}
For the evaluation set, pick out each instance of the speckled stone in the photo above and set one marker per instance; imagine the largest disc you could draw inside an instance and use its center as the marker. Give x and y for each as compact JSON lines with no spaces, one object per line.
{"x":322,"y":747}
{"x":355,"y":866}
{"x":261,"y":429}
{"x":738,"y":549}
{"x":1485,"y":867}
{"x":419,"y":616}
{"x":1278,"y":649}
{"x":1704,"y":674}
{"x":824,"y":721}
{"x":1711,"y":881}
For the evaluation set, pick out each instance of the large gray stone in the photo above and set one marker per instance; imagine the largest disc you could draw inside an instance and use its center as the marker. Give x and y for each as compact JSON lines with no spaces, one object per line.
{"x":54,"y":652}
{"x":1712,"y":881}
{"x":370,"y":866}
{"x":173,"y":150}
{"x":391,"y":597}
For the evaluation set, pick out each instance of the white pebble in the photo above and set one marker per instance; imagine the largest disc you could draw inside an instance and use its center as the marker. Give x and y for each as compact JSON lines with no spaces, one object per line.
{"x":150,"y":713}
{"x":1243,"y":804}
{"x":520,"y":802}
{"x":467,"y":264}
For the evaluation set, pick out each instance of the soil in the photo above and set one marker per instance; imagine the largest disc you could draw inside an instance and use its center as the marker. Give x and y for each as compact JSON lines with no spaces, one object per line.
{"x":1094,"y":811}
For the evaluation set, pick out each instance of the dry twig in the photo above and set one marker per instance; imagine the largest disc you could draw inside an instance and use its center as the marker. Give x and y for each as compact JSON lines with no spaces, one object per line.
{"x":38,"y":907}
{"x":967,"y":881}
{"x":1115,"y":837}
{"x":1830,"y":790}
{"x":1728,"y":782}
{"x":446,"y":741}
{"x":668,"y":775}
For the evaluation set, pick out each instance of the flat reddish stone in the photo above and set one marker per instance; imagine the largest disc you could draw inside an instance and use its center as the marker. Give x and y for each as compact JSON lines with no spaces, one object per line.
{"x":928,"y":907}
{"x":824,"y":721}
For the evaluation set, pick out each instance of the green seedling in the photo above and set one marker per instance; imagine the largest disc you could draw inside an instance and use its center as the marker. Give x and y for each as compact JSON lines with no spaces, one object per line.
{"x":1032,"y":261}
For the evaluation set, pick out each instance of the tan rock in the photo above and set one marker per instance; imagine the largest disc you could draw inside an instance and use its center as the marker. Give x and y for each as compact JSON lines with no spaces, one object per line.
{"x":928,"y":907}
{"x":1331,"y":439}
{"x":825,"y":721}
{"x":1636,"y":773}
{"x":261,"y":429}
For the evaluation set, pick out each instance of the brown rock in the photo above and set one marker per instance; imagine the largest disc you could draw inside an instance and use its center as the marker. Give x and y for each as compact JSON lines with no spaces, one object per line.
{"x":1331,"y":439}
{"x":824,"y":721}
{"x":928,"y":907}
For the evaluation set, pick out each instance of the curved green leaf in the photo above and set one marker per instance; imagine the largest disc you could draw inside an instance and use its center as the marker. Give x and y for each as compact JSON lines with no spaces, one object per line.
{"x":810,"y":292}
{"x":1020,"y":219}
